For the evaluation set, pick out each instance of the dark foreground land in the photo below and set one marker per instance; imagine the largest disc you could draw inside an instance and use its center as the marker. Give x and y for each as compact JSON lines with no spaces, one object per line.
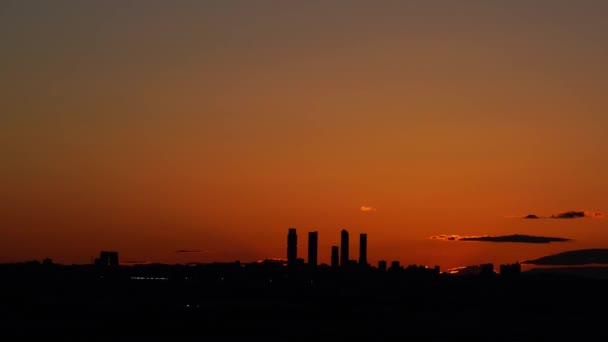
{"x":275,"y":303}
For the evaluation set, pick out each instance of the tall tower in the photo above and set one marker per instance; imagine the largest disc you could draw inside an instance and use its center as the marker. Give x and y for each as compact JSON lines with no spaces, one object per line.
{"x":363,"y":249}
{"x":344,"y":248}
{"x":313,"y":239}
{"x":292,"y":247}
{"x":335,"y":259}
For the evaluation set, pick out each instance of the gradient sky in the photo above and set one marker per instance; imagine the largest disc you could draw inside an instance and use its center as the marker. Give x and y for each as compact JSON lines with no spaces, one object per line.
{"x":149,"y":127}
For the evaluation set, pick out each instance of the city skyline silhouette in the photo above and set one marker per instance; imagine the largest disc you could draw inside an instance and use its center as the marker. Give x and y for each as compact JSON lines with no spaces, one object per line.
{"x":156,"y":128}
{"x":314,"y":169}
{"x":355,"y":299}
{"x":591,"y":262}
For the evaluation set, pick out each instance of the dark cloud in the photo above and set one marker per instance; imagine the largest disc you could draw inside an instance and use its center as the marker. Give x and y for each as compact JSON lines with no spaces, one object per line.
{"x":569,"y":215}
{"x":503,"y":238}
{"x":446,"y":237}
{"x":135,"y":262}
{"x":573,"y":214}
{"x":516,"y":238}
{"x":191,"y":251}
{"x":575,"y":257}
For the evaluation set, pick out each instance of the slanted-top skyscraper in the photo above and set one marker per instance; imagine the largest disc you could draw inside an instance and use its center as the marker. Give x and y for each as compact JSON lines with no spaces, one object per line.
{"x":313,"y":239}
{"x":363,"y":249}
{"x":292,"y":247}
{"x":344,"y":248}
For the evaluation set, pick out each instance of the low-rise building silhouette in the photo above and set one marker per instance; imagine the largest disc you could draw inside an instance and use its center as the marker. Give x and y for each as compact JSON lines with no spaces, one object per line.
{"x":487,"y":269}
{"x":395,"y":265}
{"x":382,"y":265}
{"x":107,"y":258}
{"x":510,"y":269}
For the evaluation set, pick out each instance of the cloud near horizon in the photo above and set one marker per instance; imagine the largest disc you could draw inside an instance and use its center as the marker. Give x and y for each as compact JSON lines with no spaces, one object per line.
{"x":517,"y":238}
{"x":365,"y":208}
{"x":573,"y":214}
{"x":191,"y":251}
{"x":135,"y":262}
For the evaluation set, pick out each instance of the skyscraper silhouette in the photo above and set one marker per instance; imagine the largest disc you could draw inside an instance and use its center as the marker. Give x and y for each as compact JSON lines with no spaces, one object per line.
{"x":313,"y":239}
{"x":292,"y":247}
{"x":334,"y":257}
{"x":344,"y":248}
{"x":363,"y":249}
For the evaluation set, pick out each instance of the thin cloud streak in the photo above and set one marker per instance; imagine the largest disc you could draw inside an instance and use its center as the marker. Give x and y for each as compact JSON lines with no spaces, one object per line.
{"x":365,"y":208}
{"x":573,"y":214}
{"x":515,"y":238}
{"x":135,"y":262}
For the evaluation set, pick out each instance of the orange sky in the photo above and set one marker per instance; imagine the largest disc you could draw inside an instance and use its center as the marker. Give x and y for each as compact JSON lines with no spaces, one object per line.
{"x":148,"y":128}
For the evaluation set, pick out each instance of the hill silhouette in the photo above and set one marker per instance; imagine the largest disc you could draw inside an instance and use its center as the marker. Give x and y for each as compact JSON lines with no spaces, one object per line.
{"x":574,"y":257}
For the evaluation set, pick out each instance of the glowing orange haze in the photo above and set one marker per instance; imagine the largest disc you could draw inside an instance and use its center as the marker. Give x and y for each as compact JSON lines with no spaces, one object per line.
{"x":149,"y":130}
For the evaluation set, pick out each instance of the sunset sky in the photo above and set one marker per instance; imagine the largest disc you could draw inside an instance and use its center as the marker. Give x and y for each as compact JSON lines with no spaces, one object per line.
{"x":198,"y":131}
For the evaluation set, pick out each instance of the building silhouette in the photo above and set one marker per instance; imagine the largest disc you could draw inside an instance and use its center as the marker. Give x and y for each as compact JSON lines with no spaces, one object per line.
{"x":313,"y":240}
{"x":382,"y":265}
{"x":335,"y":259}
{"x":487,"y":269}
{"x":107,"y":258}
{"x":395,"y":265}
{"x":292,"y":247}
{"x":510,"y":269}
{"x":344,"y":248}
{"x":363,"y":249}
